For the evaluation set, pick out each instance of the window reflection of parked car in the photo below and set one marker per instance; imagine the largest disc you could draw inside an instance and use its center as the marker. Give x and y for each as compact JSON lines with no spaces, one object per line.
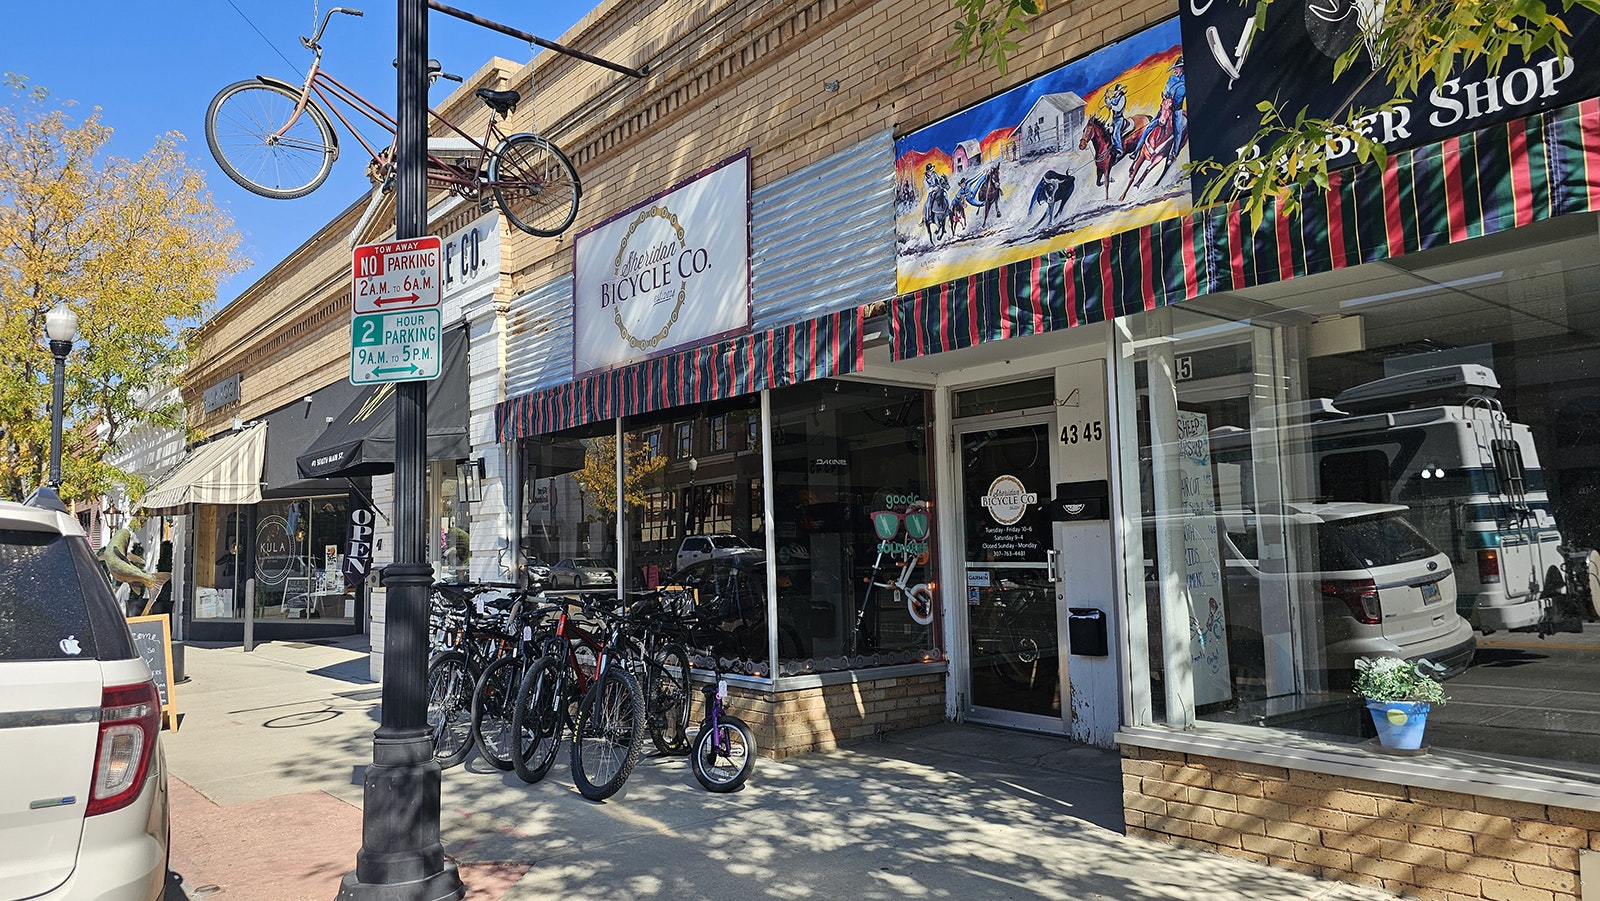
{"x":695,"y":548}
{"x":1384,"y":589}
{"x":731,"y":598}
{"x":582,"y":572}
{"x":1368,"y":582}
{"x":85,"y":792}
{"x":535,"y":572}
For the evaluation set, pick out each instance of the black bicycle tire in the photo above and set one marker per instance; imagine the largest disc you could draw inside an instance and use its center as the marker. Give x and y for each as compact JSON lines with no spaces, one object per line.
{"x":494,"y":703}
{"x":668,"y":699}
{"x":234,"y":169}
{"x":601,"y":707}
{"x":523,"y":219}
{"x":452,"y":753}
{"x":539,"y":697}
{"x":718,"y":780}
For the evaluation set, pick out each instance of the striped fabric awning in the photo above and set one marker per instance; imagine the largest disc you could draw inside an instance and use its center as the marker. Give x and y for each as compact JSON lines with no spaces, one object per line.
{"x":224,"y":471}
{"x":1488,"y":181}
{"x":788,"y":355}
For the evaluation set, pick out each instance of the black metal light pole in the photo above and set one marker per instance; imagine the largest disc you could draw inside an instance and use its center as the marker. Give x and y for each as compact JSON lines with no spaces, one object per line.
{"x":401,"y":857}
{"x":61,"y":327}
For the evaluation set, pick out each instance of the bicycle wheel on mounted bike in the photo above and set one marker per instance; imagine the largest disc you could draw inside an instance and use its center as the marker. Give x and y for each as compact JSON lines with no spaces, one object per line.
{"x":492,"y":703}
{"x":606,"y":736}
{"x":538,"y":719}
{"x":535,"y":185}
{"x":723,"y":757}
{"x":450,"y":707}
{"x":667,"y":699}
{"x":240,"y":124}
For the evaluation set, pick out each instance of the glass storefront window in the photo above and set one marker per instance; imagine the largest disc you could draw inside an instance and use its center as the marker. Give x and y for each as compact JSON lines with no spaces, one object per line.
{"x":450,"y":551}
{"x":693,"y":520}
{"x":1397,"y":460}
{"x":569,"y":508}
{"x":850,"y":472}
{"x":297,"y":558}
{"x":852,"y":501}
{"x":222,"y":561}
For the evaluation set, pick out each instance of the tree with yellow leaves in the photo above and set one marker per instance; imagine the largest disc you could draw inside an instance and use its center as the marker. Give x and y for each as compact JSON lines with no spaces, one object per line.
{"x":598,"y":477}
{"x":134,"y":247}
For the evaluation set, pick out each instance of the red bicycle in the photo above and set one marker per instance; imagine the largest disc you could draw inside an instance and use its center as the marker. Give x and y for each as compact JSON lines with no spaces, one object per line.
{"x":581,"y":668}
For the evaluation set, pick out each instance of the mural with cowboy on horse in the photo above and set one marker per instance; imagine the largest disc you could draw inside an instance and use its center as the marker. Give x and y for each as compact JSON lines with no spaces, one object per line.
{"x":1009,"y":179}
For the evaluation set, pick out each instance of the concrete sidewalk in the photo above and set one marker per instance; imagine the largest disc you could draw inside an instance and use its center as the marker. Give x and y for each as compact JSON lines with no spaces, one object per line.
{"x":268,"y":764}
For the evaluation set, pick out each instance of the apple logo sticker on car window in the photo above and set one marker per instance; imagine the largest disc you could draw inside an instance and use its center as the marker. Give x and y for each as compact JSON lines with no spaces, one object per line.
{"x":70,"y":646}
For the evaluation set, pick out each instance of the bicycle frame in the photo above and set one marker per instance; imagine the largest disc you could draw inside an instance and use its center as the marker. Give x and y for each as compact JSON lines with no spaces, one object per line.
{"x":573,"y":635}
{"x":716,"y":693}
{"x":328,"y":89}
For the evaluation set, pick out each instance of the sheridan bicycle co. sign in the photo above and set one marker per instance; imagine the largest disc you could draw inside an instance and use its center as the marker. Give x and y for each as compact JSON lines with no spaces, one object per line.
{"x":669,"y":273}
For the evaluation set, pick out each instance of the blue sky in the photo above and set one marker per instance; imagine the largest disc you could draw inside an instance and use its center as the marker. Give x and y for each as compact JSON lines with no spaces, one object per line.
{"x":152,"y":67}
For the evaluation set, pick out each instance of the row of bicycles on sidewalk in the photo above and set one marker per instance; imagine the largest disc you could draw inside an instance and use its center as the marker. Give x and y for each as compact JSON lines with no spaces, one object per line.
{"x":517,"y":673}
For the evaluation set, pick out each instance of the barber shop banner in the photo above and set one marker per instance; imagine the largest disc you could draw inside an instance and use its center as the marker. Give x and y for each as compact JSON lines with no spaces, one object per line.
{"x":1291,"y":64}
{"x":1085,"y":151}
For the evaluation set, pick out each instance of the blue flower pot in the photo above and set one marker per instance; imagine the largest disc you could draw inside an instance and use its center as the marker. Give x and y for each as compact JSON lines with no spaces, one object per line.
{"x":1400,"y":723}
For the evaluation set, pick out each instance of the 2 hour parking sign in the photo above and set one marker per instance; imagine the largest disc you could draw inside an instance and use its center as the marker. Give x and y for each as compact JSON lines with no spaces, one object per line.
{"x":395,"y":333}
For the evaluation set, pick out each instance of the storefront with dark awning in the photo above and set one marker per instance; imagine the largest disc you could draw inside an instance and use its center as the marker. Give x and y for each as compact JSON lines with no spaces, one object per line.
{"x":360,"y":440}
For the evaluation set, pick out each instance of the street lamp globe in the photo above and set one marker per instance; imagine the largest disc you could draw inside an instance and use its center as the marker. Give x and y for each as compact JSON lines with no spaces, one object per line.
{"x":61,"y":324}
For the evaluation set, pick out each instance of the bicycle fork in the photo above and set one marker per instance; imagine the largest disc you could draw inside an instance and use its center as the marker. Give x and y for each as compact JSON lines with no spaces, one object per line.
{"x":715,"y":693}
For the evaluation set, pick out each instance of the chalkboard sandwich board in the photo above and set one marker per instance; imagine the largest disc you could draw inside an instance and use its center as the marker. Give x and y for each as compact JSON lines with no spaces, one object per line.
{"x":152,"y":635}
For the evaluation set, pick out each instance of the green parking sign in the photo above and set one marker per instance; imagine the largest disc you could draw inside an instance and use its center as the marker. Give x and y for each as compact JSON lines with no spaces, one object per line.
{"x":395,"y":347}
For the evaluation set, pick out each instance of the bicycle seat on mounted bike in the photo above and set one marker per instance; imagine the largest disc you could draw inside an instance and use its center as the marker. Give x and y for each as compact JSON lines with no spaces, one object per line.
{"x":502,"y":102}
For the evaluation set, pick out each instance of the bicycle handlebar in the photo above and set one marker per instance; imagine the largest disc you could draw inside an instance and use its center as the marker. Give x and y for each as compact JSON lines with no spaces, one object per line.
{"x":310,"y":43}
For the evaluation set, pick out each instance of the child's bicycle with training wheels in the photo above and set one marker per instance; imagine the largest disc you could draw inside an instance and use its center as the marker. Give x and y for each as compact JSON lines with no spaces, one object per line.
{"x":276,"y":139}
{"x":724,"y":752}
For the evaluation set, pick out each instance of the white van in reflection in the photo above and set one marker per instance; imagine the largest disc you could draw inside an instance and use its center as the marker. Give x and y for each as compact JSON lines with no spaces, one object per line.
{"x":1437,"y":442}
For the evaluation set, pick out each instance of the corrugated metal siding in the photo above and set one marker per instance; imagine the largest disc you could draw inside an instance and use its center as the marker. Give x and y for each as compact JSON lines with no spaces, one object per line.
{"x":539,"y":342}
{"x":822,"y":239}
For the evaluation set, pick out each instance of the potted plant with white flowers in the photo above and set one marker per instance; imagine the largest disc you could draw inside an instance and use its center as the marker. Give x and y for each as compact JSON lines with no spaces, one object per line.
{"x":1399,"y":693}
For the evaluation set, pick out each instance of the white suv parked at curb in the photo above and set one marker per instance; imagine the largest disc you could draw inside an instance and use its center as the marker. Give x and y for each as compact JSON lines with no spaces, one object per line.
{"x":83,"y":805}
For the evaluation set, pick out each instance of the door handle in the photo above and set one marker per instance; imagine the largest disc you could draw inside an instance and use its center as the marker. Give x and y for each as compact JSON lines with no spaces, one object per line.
{"x":1050,"y":559}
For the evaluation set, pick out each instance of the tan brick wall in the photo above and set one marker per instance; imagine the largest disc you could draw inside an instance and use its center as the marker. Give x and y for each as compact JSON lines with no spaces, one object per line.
{"x":1418,"y":842}
{"x":823,"y":718}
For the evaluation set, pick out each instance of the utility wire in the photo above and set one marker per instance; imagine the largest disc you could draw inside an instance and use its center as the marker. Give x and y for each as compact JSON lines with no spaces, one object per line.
{"x":263,"y":36}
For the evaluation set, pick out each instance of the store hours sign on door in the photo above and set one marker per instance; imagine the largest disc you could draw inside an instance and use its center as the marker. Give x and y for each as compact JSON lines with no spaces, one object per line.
{"x":670,"y":273}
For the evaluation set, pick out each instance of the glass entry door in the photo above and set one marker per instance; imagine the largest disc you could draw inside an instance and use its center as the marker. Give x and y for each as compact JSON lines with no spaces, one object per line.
{"x":1015,"y":664}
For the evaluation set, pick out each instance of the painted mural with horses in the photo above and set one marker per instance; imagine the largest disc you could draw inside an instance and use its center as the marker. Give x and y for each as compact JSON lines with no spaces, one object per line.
{"x":1010,"y":178}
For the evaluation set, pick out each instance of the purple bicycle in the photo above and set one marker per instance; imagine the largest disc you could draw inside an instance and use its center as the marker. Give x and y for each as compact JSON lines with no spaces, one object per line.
{"x":724,"y":752}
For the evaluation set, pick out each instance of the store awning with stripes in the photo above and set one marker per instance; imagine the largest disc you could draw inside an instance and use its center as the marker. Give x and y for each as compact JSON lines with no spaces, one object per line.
{"x":826,"y":346}
{"x":1475,"y":184}
{"x":226,"y":470}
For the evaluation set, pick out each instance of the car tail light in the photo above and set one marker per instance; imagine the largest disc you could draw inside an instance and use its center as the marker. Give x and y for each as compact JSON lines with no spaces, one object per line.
{"x":1488,"y":566}
{"x":130,"y":716}
{"x":1360,"y":595}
